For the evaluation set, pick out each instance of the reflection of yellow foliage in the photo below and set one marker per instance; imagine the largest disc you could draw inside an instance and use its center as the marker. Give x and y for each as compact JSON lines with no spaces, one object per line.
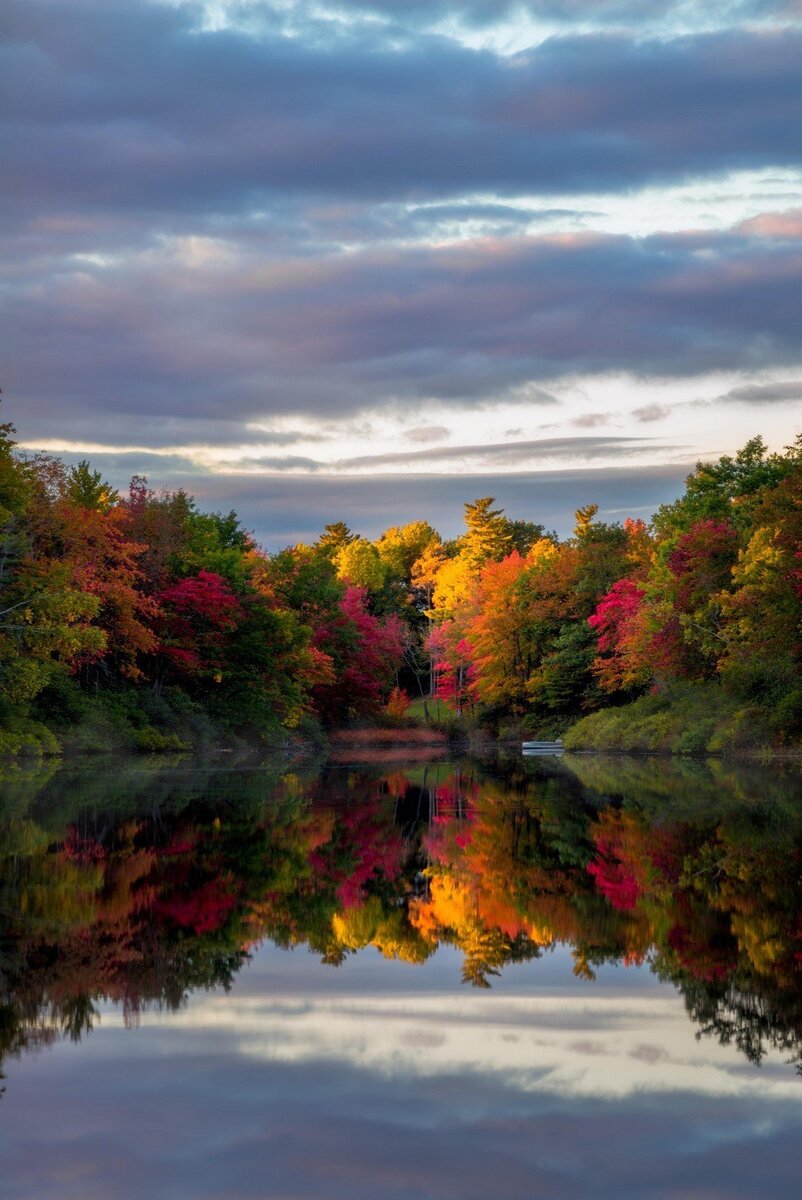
{"x":395,"y":939}
{"x":356,"y":927}
{"x":541,"y":935}
{"x":368,"y":925}
{"x":464,"y":907}
{"x":59,"y":896}
{"x":759,"y":938}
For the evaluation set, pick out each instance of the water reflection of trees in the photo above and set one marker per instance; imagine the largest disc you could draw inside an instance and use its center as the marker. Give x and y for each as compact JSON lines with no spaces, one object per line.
{"x":147,"y":887}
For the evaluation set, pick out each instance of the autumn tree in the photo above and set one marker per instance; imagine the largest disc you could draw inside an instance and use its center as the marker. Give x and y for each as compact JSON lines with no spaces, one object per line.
{"x":487,"y":537}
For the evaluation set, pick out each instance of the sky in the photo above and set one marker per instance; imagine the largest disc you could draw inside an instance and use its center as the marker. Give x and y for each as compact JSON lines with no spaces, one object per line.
{"x":375,"y":258}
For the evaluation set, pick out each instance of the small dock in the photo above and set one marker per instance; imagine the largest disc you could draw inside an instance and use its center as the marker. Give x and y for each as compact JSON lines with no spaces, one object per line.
{"x":531,"y":749}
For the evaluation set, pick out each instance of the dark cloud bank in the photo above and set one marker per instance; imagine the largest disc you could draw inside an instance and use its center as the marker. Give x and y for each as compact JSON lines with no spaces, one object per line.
{"x":207,"y":180}
{"x":130,"y":109}
{"x":469,"y":323}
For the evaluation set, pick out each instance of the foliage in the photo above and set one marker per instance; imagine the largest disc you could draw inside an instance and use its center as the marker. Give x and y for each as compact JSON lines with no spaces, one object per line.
{"x":105,"y":595}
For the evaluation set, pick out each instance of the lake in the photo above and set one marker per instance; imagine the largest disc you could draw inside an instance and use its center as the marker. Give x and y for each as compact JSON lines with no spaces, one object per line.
{"x":484,"y":980}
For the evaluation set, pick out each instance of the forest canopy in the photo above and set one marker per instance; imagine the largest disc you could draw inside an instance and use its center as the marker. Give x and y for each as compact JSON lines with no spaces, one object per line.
{"x":136,"y":620}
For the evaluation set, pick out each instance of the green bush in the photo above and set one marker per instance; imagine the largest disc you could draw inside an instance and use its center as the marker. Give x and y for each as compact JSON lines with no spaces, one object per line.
{"x":28,"y":739}
{"x":688,"y":718}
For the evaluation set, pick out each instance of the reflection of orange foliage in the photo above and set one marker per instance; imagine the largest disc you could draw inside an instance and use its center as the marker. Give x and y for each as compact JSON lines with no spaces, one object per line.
{"x":461,"y":904}
{"x":446,"y":907}
{"x":320,"y":828}
{"x":396,"y":782}
{"x":498,"y":912}
{"x":121,"y":895}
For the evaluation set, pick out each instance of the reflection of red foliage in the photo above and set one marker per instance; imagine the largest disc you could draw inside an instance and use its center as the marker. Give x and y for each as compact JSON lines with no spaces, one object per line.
{"x":81,"y":849}
{"x":203,"y":910}
{"x":665,"y":853}
{"x":179,"y":845}
{"x":632,"y":859}
{"x":375,"y":850}
{"x":699,"y":955}
{"x":612,"y":878}
{"x":615,"y":867}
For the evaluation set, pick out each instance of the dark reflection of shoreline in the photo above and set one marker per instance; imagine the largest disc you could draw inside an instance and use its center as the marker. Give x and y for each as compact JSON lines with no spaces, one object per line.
{"x":143,"y":886}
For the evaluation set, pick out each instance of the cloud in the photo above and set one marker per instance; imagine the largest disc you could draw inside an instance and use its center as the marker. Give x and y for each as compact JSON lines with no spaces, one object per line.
{"x":426,"y":433}
{"x":201,"y":222}
{"x":286,"y":437}
{"x":764,"y":393}
{"x":533,"y":19}
{"x":132,"y":112}
{"x":483,"y":13}
{"x":784,"y":225}
{"x":212,"y":229}
{"x":305,"y":1082}
{"x":652,"y":412}
{"x":275,"y":462}
{"x":505,"y":452}
{"x":127,"y":346}
{"x":593,"y":420}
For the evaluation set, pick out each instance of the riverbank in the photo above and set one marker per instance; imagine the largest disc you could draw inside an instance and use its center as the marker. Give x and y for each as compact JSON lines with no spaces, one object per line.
{"x":696,"y":719}
{"x":135,"y":721}
{"x":691,"y":719}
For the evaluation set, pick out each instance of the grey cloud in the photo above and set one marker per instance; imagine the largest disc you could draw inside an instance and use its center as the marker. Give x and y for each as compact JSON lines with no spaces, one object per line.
{"x":134,"y":344}
{"x":764,"y":393}
{"x":593,"y":420}
{"x":286,"y":437}
{"x":130,"y":110}
{"x":287,"y":462}
{"x":651,"y":412}
{"x":170,"y":469}
{"x":116,"y":424}
{"x":426,"y":433}
{"x":510,"y":452}
{"x":436,"y":220}
{"x":494,"y":453}
{"x":756,"y":394}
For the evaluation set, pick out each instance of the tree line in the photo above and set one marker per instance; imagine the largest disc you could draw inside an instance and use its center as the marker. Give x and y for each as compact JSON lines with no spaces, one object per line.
{"x":140,"y":614}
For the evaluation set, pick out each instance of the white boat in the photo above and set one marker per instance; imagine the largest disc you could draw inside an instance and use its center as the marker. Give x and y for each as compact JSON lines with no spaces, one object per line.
{"x":530,"y":748}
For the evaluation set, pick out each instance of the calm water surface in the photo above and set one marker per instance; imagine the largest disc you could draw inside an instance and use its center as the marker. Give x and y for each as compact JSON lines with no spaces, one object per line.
{"x":448,"y":980}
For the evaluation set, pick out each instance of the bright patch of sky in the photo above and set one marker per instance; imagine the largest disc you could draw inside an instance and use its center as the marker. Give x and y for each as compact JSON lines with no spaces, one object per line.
{"x":601,"y":422}
{"x":514,"y":29}
{"x":715,"y":203}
